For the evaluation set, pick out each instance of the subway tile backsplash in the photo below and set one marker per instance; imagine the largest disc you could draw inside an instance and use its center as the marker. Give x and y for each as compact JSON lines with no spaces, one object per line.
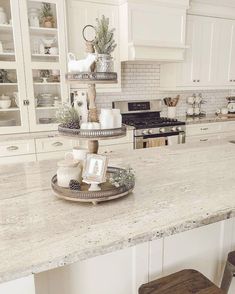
{"x":141,"y":81}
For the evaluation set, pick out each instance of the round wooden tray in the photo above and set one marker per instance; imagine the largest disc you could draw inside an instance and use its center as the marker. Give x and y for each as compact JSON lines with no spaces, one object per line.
{"x":107,"y":193}
{"x":92,"y":77}
{"x":93,"y":134}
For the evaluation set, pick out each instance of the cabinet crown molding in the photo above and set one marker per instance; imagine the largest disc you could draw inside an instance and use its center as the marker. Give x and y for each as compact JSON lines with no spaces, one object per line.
{"x":219,"y":8}
{"x":166,"y":3}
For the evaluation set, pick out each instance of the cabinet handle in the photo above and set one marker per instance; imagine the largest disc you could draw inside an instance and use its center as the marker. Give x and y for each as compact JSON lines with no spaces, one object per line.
{"x":12,"y":148}
{"x":231,"y":81}
{"x":203,"y":140}
{"x":57,"y":144}
{"x":198,"y":81}
{"x":26,"y":102}
{"x":204,"y":129}
{"x":194,"y":81}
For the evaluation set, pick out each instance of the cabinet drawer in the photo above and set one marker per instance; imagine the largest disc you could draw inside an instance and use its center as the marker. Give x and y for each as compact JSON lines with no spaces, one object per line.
{"x":201,"y":129}
{"x":228,"y":126}
{"x":202,"y":139}
{"x":53,"y":144}
{"x":20,"y":147}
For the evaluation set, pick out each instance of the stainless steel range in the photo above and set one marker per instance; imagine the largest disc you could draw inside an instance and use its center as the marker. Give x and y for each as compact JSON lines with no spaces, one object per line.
{"x":151,"y":129}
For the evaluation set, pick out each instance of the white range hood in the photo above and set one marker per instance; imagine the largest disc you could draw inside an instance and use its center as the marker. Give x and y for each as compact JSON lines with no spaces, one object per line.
{"x":153,"y":32}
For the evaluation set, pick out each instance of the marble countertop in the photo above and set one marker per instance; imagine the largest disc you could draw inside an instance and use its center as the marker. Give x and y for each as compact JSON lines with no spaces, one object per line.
{"x":210,"y":118}
{"x":177,"y":189}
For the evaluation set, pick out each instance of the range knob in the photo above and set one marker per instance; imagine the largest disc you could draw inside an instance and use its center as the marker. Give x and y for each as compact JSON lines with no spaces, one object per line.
{"x":179,"y":129}
{"x":150,"y":131}
{"x":145,"y":132}
{"x":162,"y":130}
{"x":174,"y":129}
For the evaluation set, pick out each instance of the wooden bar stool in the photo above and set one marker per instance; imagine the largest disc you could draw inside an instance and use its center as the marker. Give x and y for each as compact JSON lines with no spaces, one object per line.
{"x":229,"y":272}
{"x":183,"y":282}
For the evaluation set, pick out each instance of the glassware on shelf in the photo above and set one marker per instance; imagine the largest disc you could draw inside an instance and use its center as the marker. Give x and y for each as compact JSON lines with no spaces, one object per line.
{"x":34,"y":17}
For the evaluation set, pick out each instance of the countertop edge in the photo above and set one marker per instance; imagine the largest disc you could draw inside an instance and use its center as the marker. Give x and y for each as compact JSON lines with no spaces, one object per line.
{"x":154,"y":235}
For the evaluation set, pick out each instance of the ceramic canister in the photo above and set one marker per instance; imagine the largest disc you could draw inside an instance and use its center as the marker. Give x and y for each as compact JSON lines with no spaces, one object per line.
{"x":106,"y":119}
{"x":68,"y":170}
{"x":117,"y":117}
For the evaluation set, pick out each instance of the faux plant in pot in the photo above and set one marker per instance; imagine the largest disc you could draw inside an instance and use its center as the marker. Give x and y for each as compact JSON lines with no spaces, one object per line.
{"x":104,"y":44}
{"x":47,"y":17}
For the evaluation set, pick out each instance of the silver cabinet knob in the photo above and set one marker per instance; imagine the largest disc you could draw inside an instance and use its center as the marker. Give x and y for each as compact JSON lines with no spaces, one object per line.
{"x":162,"y":130}
{"x":57,"y":144}
{"x":12,"y":148}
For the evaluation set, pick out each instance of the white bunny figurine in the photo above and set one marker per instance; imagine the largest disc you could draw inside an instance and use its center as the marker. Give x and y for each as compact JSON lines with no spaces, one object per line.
{"x":83,"y":65}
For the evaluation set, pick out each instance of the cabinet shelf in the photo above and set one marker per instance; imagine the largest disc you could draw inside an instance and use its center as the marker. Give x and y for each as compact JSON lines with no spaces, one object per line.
{"x":45,"y":55}
{"x":47,"y":107}
{"x":9,"y":109}
{"x":8,"y":84}
{"x":5,"y":27}
{"x":46,"y":84}
{"x":43,"y":31}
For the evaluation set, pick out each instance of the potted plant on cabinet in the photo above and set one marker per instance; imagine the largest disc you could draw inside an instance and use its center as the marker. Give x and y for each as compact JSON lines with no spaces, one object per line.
{"x":47,"y":17}
{"x":104,"y":44}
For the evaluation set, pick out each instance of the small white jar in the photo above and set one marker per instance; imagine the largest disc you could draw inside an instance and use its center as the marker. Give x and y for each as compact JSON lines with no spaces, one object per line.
{"x":106,"y":119}
{"x":68,"y":170}
{"x":117,"y":117}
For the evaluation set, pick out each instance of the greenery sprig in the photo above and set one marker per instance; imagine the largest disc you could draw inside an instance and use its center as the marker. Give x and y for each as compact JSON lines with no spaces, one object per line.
{"x":46,"y":10}
{"x":124,"y":177}
{"x":68,"y":117}
{"x":104,"y":40}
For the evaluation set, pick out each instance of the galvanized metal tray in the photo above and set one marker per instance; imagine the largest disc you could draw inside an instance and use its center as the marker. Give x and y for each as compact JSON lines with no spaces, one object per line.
{"x":108,"y":192}
{"x":93,"y":134}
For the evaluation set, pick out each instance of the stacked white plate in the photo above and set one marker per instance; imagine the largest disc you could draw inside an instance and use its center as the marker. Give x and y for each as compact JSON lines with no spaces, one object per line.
{"x":45,"y":100}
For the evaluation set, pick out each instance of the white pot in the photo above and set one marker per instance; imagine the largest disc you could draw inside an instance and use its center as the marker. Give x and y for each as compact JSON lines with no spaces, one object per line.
{"x":68,"y":170}
{"x":106,"y":119}
{"x":3,"y":16}
{"x":4,"y":104}
{"x":117,"y":118}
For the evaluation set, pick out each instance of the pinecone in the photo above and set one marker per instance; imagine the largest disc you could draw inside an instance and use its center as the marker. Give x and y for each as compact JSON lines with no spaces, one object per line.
{"x":74,"y":185}
{"x":72,"y":125}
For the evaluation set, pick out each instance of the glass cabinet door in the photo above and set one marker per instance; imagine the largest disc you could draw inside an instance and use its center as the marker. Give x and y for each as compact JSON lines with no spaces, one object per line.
{"x":45,"y":60}
{"x":13,"y":101}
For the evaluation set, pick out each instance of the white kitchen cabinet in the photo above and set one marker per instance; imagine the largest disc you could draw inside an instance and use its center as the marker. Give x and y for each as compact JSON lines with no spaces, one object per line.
{"x":82,"y":13}
{"x":119,"y":272}
{"x":152,"y":32}
{"x":19,"y":286}
{"x":54,"y":65}
{"x":25,"y":64}
{"x":209,"y":59}
{"x":15,"y":118}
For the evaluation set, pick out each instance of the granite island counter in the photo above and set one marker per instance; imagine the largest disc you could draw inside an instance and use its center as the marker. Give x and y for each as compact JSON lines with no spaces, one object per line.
{"x":184,"y":196}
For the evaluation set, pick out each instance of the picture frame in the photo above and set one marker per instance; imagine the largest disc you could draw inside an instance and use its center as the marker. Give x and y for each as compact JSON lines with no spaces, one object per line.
{"x":95,"y":168}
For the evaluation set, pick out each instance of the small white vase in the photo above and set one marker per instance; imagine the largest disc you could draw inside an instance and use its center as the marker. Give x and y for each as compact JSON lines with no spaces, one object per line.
{"x":106,"y":119}
{"x":117,"y":117}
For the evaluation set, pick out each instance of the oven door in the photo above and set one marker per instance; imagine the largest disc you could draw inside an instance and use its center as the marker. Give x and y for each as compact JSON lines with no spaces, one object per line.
{"x":159,"y":140}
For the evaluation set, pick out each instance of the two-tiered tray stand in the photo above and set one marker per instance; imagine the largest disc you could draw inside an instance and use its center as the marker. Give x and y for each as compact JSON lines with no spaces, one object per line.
{"x":108,"y":191}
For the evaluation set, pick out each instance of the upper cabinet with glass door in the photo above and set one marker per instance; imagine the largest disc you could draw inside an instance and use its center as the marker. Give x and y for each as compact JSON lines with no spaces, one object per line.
{"x":43,"y":24}
{"x":13,"y":104}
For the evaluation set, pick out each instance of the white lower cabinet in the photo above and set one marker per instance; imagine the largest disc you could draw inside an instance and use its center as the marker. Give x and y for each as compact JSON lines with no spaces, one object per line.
{"x":121,"y":272}
{"x":20,"y":286}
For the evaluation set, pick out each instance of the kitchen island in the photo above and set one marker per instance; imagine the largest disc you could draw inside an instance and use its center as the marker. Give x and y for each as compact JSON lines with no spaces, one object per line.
{"x":179,"y":215}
